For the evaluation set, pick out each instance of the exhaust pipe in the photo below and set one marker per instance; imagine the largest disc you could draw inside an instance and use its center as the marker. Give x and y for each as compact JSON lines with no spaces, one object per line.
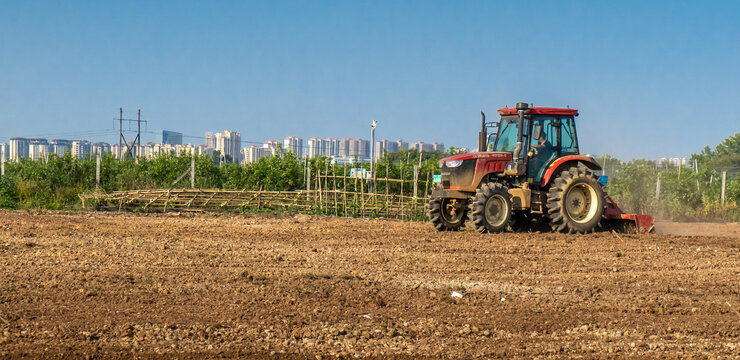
{"x":483,"y":134}
{"x":520,"y":107}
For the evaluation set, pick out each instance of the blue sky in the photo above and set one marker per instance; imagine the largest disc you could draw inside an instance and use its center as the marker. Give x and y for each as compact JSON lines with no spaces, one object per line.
{"x":651,"y":78}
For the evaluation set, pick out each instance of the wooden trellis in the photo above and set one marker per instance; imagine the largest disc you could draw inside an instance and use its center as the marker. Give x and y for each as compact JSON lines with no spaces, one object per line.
{"x":326,"y":199}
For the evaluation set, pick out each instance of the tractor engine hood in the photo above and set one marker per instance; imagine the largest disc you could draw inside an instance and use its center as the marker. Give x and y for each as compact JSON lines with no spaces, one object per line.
{"x":463,"y":172}
{"x":491,"y":155}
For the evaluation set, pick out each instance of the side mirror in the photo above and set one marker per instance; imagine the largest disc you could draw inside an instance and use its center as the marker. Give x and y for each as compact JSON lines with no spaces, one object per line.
{"x":537,"y":132}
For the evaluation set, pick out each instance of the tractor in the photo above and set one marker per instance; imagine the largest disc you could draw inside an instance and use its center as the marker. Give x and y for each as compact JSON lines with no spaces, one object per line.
{"x":528,"y":172}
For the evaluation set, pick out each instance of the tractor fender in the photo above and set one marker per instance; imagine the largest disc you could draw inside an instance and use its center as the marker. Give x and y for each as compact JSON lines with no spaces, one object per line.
{"x":565,"y":162}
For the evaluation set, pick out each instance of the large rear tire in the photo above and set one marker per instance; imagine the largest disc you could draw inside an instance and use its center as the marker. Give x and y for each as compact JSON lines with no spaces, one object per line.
{"x":491,"y":208}
{"x":447,"y":214}
{"x":575,"y":202}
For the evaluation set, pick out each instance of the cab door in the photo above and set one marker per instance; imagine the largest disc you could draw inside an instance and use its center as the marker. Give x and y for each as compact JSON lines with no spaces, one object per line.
{"x":544,"y":146}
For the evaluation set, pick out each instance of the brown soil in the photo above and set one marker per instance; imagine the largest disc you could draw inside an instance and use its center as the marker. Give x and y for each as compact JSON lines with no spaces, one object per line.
{"x":191,"y":286}
{"x":698,"y":228}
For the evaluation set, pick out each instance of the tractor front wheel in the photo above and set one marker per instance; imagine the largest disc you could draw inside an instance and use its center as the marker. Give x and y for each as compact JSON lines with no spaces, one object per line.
{"x":491,"y":208}
{"x":575,"y":201}
{"x":447,"y":214}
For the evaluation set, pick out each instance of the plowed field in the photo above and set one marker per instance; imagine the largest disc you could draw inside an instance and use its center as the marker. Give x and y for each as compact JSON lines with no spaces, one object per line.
{"x":113,"y":285}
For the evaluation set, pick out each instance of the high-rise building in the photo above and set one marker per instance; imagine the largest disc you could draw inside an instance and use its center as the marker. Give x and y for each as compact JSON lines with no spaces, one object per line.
{"x":421,"y":146}
{"x":385,"y":147}
{"x":82,"y":148}
{"x":343,"y":151}
{"x":402,"y":145}
{"x":100,"y":148}
{"x":293,"y":144}
{"x":171,"y":137}
{"x":438,"y":146}
{"x":210,"y":140}
{"x":271,"y":147}
{"x":254,"y":153}
{"x":314,"y":147}
{"x":59,"y":146}
{"x":229,"y":143}
{"x":38,"y":149}
{"x":18,"y":148}
{"x":353,"y":148}
{"x":330,"y":147}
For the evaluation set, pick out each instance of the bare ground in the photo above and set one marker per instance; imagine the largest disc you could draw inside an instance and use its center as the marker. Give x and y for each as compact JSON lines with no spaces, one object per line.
{"x":191,"y":286}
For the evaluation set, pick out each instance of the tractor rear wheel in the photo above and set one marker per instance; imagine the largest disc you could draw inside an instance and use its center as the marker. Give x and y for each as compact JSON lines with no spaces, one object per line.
{"x":447,"y":214}
{"x":491,"y":208}
{"x":575,"y":201}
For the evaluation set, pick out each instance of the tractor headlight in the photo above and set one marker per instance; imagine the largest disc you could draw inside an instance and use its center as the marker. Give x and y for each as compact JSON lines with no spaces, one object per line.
{"x":453,"y":163}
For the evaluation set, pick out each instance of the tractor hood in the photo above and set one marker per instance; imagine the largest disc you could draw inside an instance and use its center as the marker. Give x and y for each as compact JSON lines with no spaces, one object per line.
{"x":499,"y":155}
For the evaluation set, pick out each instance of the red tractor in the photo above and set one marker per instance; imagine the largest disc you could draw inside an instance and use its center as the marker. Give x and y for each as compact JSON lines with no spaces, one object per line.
{"x":528,"y":172}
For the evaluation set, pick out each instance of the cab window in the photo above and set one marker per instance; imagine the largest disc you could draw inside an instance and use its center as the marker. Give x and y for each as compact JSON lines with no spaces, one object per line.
{"x":569,"y":141}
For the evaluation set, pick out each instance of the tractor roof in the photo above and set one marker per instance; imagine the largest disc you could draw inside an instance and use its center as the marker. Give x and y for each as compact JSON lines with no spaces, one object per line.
{"x":534,"y":110}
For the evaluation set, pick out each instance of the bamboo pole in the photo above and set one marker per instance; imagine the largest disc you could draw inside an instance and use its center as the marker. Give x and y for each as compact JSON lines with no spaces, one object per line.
{"x":362,"y":200}
{"x":334,"y":172}
{"x":401,"y":199}
{"x":318,"y":181}
{"x":326,"y":183}
{"x":387,"y":167}
{"x":344,"y":194}
{"x":426,"y":187}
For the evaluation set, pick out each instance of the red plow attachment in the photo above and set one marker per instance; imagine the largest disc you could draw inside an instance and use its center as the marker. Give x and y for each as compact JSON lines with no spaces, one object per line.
{"x":617,"y":220}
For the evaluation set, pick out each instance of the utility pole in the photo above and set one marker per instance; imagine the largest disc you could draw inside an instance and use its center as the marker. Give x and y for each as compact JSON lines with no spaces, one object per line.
{"x":97,"y":169}
{"x":138,"y":134}
{"x":120,"y":133}
{"x":122,"y":138}
{"x":372,"y":156}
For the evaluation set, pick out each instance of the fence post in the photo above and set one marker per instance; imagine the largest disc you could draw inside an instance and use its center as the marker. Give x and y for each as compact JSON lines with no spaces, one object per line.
{"x":362,"y":199}
{"x":724,"y":177}
{"x":2,"y":162}
{"x":657,"y":189}
{"x":308,"y":179}
{"x":334,"y":173}
{"x":344,"y":193}
{"x":416,"y":179}
{"x":387,"y":208}
{"x":97,"y":169}
{"x":426,"y":187}
{"x":192,"y":169}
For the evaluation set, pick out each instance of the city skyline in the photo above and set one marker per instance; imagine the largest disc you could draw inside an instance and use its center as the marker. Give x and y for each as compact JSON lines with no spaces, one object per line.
{"x":228,"y":143}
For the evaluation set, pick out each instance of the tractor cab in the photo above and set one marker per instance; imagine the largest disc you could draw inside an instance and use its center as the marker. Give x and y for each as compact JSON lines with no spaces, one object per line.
{"x":546,"y":134}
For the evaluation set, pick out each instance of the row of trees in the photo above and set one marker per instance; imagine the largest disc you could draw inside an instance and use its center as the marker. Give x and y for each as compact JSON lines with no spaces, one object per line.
{"x":642,"y":186}
{"x":55,"y":183}
{"x":680,"y":192}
